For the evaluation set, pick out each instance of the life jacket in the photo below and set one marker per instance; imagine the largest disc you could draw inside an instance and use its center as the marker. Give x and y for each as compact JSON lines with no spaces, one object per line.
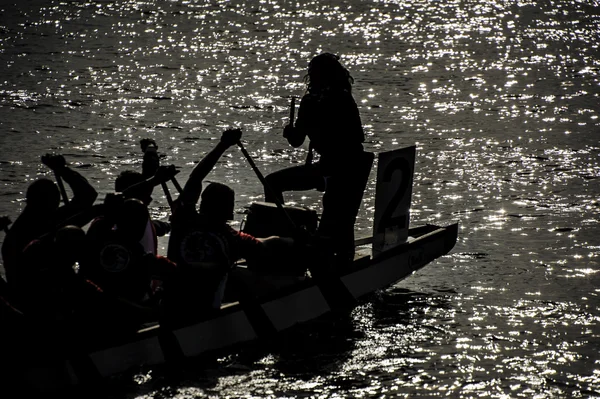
{"x":205,"y":250}
{"x":119,"y":266}
{"x":203,"y":262}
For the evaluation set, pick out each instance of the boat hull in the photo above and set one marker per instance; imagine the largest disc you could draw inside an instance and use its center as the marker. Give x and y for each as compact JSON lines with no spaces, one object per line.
{"x":292,"y":304}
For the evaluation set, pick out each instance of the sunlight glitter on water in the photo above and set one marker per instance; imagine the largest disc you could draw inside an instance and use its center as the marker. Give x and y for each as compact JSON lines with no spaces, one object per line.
{"x":501,"y":97}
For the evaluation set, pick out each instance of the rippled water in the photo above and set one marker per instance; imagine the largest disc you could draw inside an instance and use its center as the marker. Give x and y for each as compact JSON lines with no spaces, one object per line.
{"x":501,"y":98}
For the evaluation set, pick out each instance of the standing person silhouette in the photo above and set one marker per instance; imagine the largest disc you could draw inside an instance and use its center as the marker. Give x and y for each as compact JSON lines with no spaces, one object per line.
{"x":329,"y":117}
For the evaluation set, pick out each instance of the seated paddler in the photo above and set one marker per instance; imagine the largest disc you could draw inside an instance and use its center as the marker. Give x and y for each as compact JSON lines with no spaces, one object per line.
{"x":116,"y":260}
{"x":56,"y":293}
{"x":134,"y":184}
{"x":43,"y":212}
{"x":202,"y":243}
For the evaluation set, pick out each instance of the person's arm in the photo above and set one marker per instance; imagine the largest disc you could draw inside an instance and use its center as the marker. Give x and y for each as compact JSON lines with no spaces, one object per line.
{"x":83,"y":193}
{"x":275,"y":248}
{"x":116,"y":306}
{"x":296,"y":134}
{"x":264,"y":254}
{"x":82,"y":218}
{"x":277,"y":242}
{"x":151,"y":160}
{"x":163,"y":174}
{"x":193,"y":186}
{"x":4,"y":223}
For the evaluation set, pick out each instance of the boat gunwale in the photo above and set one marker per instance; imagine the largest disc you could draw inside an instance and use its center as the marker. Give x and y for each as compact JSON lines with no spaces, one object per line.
{"x":419,"y":235}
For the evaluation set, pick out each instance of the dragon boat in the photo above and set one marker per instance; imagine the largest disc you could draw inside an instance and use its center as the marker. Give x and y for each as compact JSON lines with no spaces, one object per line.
{"x":393,"y":252}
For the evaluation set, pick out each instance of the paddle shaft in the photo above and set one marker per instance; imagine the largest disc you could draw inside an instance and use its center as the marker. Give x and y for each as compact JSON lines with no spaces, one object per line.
{"x":177,"y":185}
{"x":167,"y":194}
{"x":61,"y":187}
{"x":292,"y":110}
{"x":265,"y":184}
{"x":309,"y":157}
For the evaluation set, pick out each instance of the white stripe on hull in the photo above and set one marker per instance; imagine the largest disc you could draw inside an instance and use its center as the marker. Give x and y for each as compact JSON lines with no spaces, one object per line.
{"x":121,"y":358}
{"x":298,"y":307}
{"x":382,"y":273}
{"x":233,"y":325}
{"x":376,"y":276}
{"x":214,"y":334}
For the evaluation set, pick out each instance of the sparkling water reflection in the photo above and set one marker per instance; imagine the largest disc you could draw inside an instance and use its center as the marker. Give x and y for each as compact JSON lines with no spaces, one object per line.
{"x":500,"y":97}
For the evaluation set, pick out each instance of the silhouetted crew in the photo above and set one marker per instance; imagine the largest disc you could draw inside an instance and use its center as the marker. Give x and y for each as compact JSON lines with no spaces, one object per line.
{"x":13,"y":333}
{"x":126,"y":217}
{"x":67,"y":303}
{"x":144,"y":184}
{"x":116,"y":258}
{"x":42,"y":212}
{"x":48,"y":283}
{"x":329,"y":117}
{"x":203,"y":245}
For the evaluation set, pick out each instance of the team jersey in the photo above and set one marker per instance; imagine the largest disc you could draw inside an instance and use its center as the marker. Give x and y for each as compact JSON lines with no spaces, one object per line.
{"x":205,"y":252}
{"x":196,"y":242}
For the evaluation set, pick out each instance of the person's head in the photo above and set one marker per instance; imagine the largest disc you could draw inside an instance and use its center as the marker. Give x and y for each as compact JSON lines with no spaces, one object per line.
{"x":218,"y":201}
{"x":132,"y":219}
{"x":43,"y":195}
{"x":69,"y":246}
{"x":325,"y":70}
{"x":128,"y":178}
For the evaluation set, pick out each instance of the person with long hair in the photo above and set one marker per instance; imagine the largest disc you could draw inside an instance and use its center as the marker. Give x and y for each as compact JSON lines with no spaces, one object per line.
{"x":329,"y":117}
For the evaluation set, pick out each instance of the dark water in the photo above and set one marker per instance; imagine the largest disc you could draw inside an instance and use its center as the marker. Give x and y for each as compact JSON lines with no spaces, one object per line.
{"x":500,"y":97}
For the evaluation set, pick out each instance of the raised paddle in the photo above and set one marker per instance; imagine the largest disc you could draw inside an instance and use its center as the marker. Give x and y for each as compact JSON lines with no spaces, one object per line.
{"x":61,"y":187}
{"x":176,"y":184}
{"x":54,"y":162}
{"x":167,"y":194}
{"x":150,"y":145}
{"x":170,"y":172}
{"x":309,"y":156}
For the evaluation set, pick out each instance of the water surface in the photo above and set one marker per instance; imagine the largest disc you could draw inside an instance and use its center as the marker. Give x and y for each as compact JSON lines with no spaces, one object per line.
{"x":501,"y":99}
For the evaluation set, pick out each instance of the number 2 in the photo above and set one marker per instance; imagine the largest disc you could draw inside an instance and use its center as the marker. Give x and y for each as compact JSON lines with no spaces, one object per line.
{"x":387,"y":218}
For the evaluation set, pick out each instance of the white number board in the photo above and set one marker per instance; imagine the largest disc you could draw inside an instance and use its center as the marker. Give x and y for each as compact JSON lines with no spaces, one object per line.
{"x":393,"y":193}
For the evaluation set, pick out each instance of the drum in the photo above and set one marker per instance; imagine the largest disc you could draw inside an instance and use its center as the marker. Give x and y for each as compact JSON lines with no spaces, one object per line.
{"x":265,"y":219}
